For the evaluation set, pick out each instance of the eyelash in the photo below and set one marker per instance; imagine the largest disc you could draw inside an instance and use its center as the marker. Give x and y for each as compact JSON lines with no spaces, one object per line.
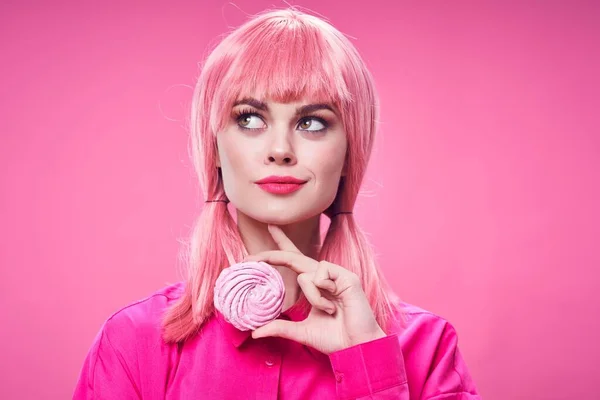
{"x":239,"y":114}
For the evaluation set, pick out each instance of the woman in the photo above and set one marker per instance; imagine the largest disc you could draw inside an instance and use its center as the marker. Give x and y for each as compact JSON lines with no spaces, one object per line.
{"x":283,"y":122}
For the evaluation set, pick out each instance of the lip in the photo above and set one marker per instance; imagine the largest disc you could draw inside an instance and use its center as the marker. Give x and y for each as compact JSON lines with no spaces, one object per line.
{"x":280,"y":184}
{"x":281,"y":179}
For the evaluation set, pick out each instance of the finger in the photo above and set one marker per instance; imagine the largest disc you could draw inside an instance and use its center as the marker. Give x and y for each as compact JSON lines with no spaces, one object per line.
{"x":336,"y":272}
{"x":323,"y":280}
{"x":313,"y":294}
{"x":282,"y":328}
{"x":330,"y":286}
{"x":297,"y":262}
{"x":281,"y":239}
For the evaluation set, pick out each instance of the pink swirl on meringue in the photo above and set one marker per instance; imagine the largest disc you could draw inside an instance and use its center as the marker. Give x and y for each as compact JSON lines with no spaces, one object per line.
{"x":249,"y":294}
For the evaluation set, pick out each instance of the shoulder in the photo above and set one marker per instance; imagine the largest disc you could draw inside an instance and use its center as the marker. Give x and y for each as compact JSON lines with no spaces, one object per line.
{"x":128,"y":350}
{"x":431,"y":353}
{"x":144,"y":314}
{"x":409,"y":317}
{"x":422,"y":331}
{"x":139,"y":323}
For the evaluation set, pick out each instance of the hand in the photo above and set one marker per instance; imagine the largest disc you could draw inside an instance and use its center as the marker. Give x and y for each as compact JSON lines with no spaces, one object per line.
{"x":341,"y":315}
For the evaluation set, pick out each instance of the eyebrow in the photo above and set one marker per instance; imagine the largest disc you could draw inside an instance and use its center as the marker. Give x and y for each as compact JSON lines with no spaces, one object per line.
{"x":306,"y":109}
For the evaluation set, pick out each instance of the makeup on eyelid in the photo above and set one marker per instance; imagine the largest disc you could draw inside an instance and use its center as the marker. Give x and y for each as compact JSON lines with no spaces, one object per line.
{"x":238,"y":115}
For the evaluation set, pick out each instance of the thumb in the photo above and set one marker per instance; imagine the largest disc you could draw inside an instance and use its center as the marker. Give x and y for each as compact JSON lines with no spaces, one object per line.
{"x":283,"y":329}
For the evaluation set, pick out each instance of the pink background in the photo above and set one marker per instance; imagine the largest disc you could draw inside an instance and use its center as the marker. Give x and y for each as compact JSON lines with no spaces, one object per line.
{"x":482,"y":196}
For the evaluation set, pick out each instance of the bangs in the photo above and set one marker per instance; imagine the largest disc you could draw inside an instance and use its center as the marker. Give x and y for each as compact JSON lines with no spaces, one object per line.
{"x":282,"y":60}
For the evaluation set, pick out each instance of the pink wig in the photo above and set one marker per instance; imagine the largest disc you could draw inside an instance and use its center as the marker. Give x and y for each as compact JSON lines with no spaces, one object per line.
{"x":283,"y":55}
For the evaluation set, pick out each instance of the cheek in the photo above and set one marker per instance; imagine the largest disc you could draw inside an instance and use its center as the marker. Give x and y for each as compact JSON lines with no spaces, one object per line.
{"x":233,"y":156}
{"x":328,"y":168}
{"x":328,"y":162}
{"x":229,"y":156}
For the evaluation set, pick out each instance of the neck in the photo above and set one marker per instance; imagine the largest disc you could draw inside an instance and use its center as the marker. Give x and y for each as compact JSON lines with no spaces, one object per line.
{"x":304,"y":234}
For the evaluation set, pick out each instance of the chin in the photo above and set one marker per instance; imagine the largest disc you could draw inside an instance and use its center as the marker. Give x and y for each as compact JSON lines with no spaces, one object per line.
{"x":281,"y":217}
{"x":282,"y":212}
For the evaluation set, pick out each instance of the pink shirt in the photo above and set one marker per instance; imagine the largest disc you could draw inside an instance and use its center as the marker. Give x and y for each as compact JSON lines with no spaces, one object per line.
{"x":129,"y":360}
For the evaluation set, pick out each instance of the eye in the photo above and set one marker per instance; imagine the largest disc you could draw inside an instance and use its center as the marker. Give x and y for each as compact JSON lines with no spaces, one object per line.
{"x":312,"y":124}
{"x":250,"y":121}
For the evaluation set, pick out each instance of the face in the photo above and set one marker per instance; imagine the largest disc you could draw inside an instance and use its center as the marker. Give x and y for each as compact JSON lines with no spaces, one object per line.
{"x":281,"y":162}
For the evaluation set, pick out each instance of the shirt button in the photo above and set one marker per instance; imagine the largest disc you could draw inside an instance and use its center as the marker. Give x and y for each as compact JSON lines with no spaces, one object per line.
{"x":339,"y":376}
{"x":270,"y":362}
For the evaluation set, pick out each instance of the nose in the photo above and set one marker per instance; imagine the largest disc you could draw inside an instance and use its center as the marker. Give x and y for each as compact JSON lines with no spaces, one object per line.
{"x":280,"y":151}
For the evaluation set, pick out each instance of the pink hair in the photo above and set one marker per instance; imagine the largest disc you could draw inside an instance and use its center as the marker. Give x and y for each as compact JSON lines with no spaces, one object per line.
{"x":283,"y":55}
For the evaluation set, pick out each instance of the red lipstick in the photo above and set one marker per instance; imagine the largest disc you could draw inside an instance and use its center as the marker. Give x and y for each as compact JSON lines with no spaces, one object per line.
{"x":280,"y":184}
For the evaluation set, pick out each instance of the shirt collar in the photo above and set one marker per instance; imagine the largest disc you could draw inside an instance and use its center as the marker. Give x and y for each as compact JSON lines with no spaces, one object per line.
{"x":297,"y":312}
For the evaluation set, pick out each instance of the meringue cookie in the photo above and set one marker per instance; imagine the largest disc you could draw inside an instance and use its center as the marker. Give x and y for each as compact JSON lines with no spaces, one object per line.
{"x":249,"y":294}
